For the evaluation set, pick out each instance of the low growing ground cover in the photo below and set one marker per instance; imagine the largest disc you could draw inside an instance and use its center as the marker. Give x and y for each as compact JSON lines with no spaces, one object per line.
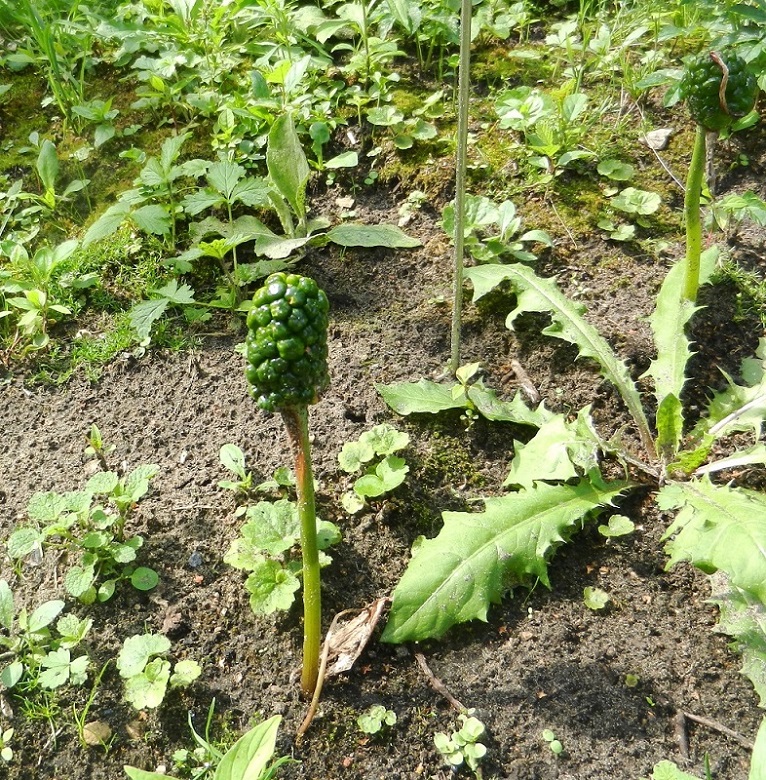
{"x":511,"y":525}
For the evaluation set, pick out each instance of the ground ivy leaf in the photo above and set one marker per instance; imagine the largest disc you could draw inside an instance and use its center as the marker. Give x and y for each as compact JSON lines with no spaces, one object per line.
{"x":389,"y":474}
{"x":384,"y":439}
{"x":421,"y":397}
{"x":22,"y":541}
{"x":619,"y":525}
{"x":137,"y":650}
{"x":271,"y":587}
{"x":272,"y":527}
{"x":595,"y":598}
{"x":354,"y":454}
{"x":470,"y":564}
{"x":78,"y":579}
{"x":185,"y":673}
{"x":102,"y":482}
{"x":146,"y":690}
{"x":144,"y":578}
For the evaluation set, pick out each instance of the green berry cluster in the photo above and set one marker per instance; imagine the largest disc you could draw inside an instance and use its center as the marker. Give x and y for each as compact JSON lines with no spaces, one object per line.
{"x":286,"y":345}
{"x":701,"y":88}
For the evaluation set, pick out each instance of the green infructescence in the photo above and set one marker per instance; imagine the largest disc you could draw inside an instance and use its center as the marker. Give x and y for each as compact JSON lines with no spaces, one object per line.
{"x":286,"y":350}
{"x":718,"y":90}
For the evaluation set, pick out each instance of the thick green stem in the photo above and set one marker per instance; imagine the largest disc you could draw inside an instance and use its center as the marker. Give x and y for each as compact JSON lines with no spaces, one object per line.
{"x":296,"y":422}
{"x":692,"y":216}
{"x":463,"y":91}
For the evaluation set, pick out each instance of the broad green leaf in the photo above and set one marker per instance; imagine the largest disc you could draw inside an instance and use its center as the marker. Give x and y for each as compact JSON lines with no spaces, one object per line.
{"x":144,"y":578}
{"x":201,"y":200}
{"x":46,"y":507}
{"x":743,"y":617}
{"x":545,"y":457}
{"x":143,"y":316}
{"x":251,"y":754}
{"x":233,"y":459}
{"x":420,"y":397}
{"x":44,"y":615}
{"x":635,"y":201}
{"x":272,"y":526}
{"x":57,"y":668}
{"x":12,"y":674}
{"x":103,"y":482}
{"x":224,"y":176}
{"x":616,"y":170}
{"x":48,"y":165}
{"x":22,"y":541}
{"x":146,"y":690}
{"x":171,"y":148}
{"x":182,"y":295}
{"x":152,"y":218}
{"x":758,"y":761}
{"x":354,"y":454}
{"x":667,"y":770}
{"x":718,"y":528}
{"x":141,"y":774}
{"x":78,"y":580}
{"x":389,"y":474}
{"x":137,"y":650}
{"x":108,"y":223}
{"x":476,"y":557}
{"x":343,"y":160}
{"x":385,"y":439}
{"x":72,"y":630}
{"x":278,"y":247}
{"x":271,"y":587}
{"x":618,"y":525}
{"x":185,"y":673}
{"x":535,"y":294}
{"x":357,"y":234}
{"x":385,"y":116}
{"x":739,"y":407}
{"x":137,"y":482}
{"x":7,"y":610}
{"x":595,"y":598}
{"x":287,"y":164}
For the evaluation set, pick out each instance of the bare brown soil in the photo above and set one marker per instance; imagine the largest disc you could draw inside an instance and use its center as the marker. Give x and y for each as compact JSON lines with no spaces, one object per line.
{"x":542,"y":661}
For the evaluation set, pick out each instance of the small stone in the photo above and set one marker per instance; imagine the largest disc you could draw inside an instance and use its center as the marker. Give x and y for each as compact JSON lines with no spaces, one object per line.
{"x":657,"y":139}
{"x":195,"y":560}
{"x":96,"y":733}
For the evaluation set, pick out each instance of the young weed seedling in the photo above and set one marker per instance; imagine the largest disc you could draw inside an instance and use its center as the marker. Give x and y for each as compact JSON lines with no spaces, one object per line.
{"x":89,"y":525}
{"x":376,"y":718}
{"x":373,"y":452}
{"x":40,"y":657}
{"x":147,"y":673}
{"x":464,"y":745}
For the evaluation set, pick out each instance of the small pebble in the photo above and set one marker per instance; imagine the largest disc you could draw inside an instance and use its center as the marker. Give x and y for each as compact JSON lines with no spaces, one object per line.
{"x":195,"y":560}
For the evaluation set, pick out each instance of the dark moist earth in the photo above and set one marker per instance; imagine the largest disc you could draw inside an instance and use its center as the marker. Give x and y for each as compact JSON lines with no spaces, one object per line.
{"x":542,"y":661}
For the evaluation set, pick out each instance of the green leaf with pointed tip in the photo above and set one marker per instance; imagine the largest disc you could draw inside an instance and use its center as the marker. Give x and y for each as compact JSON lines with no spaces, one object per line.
{"x":671,"y":314}
{"x":536,"y":294}
{"x":251,"y":755}
{"x":718,"y":528}
{"x":421,"y":397}
{"x":287,"y":164}
{"x":389,"y":236}
{"x":477,"y":557}
{"x":758,"y":761}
